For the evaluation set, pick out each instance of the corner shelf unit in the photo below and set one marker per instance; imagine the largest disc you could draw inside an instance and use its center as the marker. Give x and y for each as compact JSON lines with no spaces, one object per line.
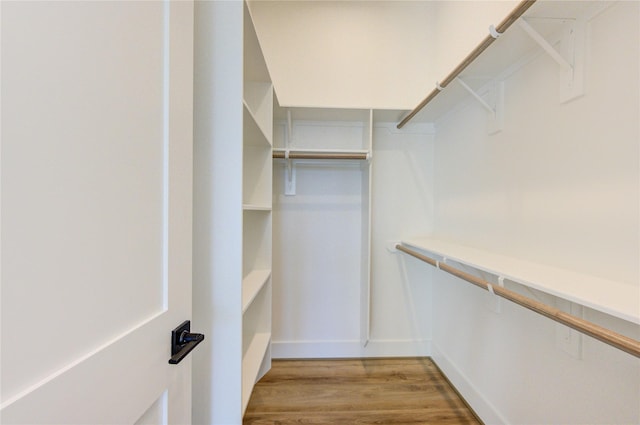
{"x":610,"y":297}
{"x":556,"y":27}
{"x":257,"y":171}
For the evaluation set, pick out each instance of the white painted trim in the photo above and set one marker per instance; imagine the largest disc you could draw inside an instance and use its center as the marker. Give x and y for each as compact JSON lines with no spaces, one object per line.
{"x":350,"y":348}
{"x":480,"y":405}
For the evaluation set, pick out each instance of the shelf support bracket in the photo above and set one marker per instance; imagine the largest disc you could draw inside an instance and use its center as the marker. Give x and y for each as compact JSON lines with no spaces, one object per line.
{"x":546,"y":46}
{"x":570,"y":55}
{"x":476,"y":96}
{"x":495,"y":105}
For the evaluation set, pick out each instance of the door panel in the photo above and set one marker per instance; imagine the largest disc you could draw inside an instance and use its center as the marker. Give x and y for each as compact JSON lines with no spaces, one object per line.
{"x":156,"y":414}
{"x":96,"y":208}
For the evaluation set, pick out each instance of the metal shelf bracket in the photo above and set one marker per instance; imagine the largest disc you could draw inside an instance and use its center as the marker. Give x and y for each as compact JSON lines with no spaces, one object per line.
{"x":570,"y":55}
{"x":494,"y":92}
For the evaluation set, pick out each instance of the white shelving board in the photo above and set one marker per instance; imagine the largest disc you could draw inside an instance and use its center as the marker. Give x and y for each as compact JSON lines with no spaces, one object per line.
{"x":251,"y":363}
{"x":253,"y":132}
{"x":321,"y":114}
{"x":514,"y":46}
{"x":614,"y":298}
{"x":251,"y":286}
{"x":258,"y":100}
{"x":344,"y":130}
{"x":256,"y":207}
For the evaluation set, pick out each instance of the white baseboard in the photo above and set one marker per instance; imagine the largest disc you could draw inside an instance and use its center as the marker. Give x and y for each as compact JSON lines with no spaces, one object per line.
{"x":480,"y":405}
{"x":349,"y":348}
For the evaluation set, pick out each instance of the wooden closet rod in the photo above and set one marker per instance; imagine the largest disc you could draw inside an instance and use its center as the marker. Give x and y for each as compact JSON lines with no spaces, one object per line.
{"x":605,"y":335}
{"x":321,"y":155}
{"x":501,"y":28}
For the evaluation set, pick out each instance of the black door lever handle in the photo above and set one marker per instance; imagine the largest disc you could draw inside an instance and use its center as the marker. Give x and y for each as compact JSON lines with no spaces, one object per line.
{"x":188,"y":337}
{"x":183,"y":341}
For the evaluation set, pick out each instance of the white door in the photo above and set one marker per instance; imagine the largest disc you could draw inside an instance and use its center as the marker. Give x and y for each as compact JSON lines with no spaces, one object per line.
{"x":96,"y":182}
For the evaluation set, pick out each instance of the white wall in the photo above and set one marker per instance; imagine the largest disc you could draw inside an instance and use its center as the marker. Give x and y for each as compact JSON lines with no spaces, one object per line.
{"x":402,"y":207}
{"x":349,"y":54}
{"x":560,"y":185}
{"x":316,"y":262}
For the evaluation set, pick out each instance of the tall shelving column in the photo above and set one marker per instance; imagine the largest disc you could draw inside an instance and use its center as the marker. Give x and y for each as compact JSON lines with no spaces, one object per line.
{"x":256,"y":211}
{"x":233,"y":129}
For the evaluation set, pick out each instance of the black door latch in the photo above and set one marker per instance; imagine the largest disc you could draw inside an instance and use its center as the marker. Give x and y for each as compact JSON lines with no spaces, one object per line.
{"x":183,"y":341}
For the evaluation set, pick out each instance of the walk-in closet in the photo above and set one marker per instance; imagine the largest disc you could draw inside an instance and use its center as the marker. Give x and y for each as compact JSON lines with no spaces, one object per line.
{"x":457,"y":180}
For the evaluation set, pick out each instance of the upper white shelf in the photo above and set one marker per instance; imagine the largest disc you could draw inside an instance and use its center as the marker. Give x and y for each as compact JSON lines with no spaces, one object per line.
{"x":254,"y":134}
{"x":614,"y":298}
{"x":321,"y":114}
{"x":515,"y":45}
{"x":256,"y":207}
{"x":255,"y":67}
{"x":252,"y":284}
{"x":251,"y":362}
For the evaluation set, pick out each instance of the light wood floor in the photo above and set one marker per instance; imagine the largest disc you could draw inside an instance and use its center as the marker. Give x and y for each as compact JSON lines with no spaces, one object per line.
{"x":356,"y":391}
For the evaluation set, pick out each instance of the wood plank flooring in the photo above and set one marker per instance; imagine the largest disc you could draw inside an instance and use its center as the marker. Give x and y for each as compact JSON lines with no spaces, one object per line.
{"x":356,"y":391}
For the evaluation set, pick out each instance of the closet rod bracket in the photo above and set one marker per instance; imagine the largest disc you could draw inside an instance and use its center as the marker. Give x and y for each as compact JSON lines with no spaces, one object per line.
{"x":290,"y":178}
{"x":494,"y":302}
{"x":391,"y":246}
{"x":494,"y":32}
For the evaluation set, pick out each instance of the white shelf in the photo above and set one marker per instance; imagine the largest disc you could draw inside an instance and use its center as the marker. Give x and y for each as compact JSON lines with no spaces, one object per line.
{"x":614,"y":298}
{"x":514,"y":46}
{"x":258,"y":102}
{"x":321,"y":114}
{"x":282,"y":150}
{"x":257,"y":175}
{"x":253,"y":132}
{"x":256,"y":161}
{"x":255,"y":67}
{"x":251,"y":362}
{"x":324,"y":130}
{"x":256,"y":240}
{"x":256,"y":207}
{"x":251,"y":286}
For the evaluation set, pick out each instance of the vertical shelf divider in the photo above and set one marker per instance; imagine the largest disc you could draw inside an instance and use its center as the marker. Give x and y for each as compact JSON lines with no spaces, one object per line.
{"x":257,"y":177}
